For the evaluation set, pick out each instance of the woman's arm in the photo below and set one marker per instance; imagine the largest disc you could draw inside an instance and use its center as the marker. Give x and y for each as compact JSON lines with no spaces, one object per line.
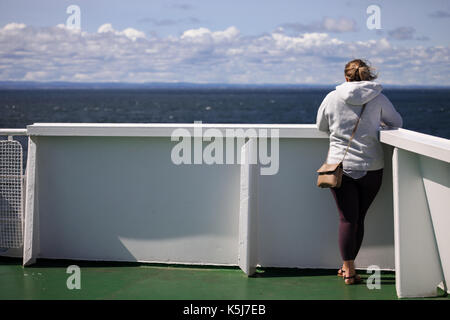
{"x":322,"y":118}
{"x":389,"y":115}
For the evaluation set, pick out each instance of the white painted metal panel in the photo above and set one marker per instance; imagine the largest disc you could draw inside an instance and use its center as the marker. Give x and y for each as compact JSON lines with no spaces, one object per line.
{"x":436,"y":180}
{"x":122,"y":199}
{"x":248,"y":210}
{"x":31,"y":223}
{"x":298,"y":222}
{"x":417,"y":264}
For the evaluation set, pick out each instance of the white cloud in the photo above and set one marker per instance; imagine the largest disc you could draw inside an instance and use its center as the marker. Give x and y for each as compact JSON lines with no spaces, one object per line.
{"x":13,"y":26}
{"x":305,"y":41}
{"x":195,"y":33}
{"x":130,"y":33}
{"x":205,"y":35}
{"x":107,"y":27}
{"x":204,"y":55}
{"x":36,"y":76}
{"x":133,"y":34}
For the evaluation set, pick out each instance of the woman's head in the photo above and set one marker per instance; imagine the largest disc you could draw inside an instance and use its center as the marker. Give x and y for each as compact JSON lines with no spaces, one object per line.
{"x":359,"y":70}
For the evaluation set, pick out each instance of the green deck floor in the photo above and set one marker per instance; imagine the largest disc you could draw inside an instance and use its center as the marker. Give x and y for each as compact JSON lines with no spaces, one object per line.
{"x":47,"y":280}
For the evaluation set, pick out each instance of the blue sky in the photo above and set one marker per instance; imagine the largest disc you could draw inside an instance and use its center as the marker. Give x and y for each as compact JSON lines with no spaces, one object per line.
{"x":247,"y":41}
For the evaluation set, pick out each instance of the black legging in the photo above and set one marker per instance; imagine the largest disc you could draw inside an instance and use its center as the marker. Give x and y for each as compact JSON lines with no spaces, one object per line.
{"x":353,"y":199}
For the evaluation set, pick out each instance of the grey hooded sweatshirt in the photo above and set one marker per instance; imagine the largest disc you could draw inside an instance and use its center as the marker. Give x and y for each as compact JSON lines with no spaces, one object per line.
{"x":338,"y":114}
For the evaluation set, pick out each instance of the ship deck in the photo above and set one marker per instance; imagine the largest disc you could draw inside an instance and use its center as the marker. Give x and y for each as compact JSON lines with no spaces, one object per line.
{"x":114,"y":280}
{"x":113,"y":192}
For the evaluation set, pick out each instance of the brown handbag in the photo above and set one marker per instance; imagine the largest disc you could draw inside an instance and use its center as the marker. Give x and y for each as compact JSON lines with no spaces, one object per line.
{"x":330,"y":174}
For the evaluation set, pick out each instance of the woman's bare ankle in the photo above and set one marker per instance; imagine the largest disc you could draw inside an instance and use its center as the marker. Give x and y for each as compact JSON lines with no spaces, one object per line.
{"x":349,"y":268}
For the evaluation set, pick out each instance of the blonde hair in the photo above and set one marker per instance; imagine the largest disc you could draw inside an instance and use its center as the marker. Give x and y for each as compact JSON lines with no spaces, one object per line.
{"x":359,"y":70}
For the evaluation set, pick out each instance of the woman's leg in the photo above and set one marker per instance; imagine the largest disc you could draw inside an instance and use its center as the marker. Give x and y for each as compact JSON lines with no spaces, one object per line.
{"x":347,"y":199}
{"x":368,"y":186}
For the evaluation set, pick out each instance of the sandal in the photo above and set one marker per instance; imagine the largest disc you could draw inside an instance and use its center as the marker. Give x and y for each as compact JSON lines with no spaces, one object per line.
{"x":341,"y":273}
{"x":354,"y":279}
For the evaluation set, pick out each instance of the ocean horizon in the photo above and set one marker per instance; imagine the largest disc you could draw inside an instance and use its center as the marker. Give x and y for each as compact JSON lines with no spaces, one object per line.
{"x":424,"y":109}
{"x":7,"y":85}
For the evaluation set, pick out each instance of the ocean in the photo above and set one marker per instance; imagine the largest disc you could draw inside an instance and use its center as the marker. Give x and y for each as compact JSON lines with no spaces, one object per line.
{"x":423,"y":110}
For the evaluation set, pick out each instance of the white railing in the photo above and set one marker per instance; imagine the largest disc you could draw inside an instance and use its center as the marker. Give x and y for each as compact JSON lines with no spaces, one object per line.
{"x":13,"y":132}
{"x":126,"y":195}
{"x":111,"y":192}
{"x":421,"y":177}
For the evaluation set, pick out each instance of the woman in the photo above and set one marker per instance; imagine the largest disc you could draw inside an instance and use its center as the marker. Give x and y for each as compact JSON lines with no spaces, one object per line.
{"x":364,"y":161}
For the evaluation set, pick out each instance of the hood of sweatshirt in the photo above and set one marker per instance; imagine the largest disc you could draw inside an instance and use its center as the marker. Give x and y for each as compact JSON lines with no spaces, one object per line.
{"x":358,"y":92}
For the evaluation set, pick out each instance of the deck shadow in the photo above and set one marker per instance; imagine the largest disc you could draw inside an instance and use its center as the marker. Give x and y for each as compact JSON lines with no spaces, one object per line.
{"x":269,"y":272}
{"x":64,"y":263}
{"x":10,"y":260}
{"x":387,"y":277}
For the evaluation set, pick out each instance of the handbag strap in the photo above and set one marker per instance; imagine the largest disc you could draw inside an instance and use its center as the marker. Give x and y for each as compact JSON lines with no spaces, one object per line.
{"x":353,"y":134}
